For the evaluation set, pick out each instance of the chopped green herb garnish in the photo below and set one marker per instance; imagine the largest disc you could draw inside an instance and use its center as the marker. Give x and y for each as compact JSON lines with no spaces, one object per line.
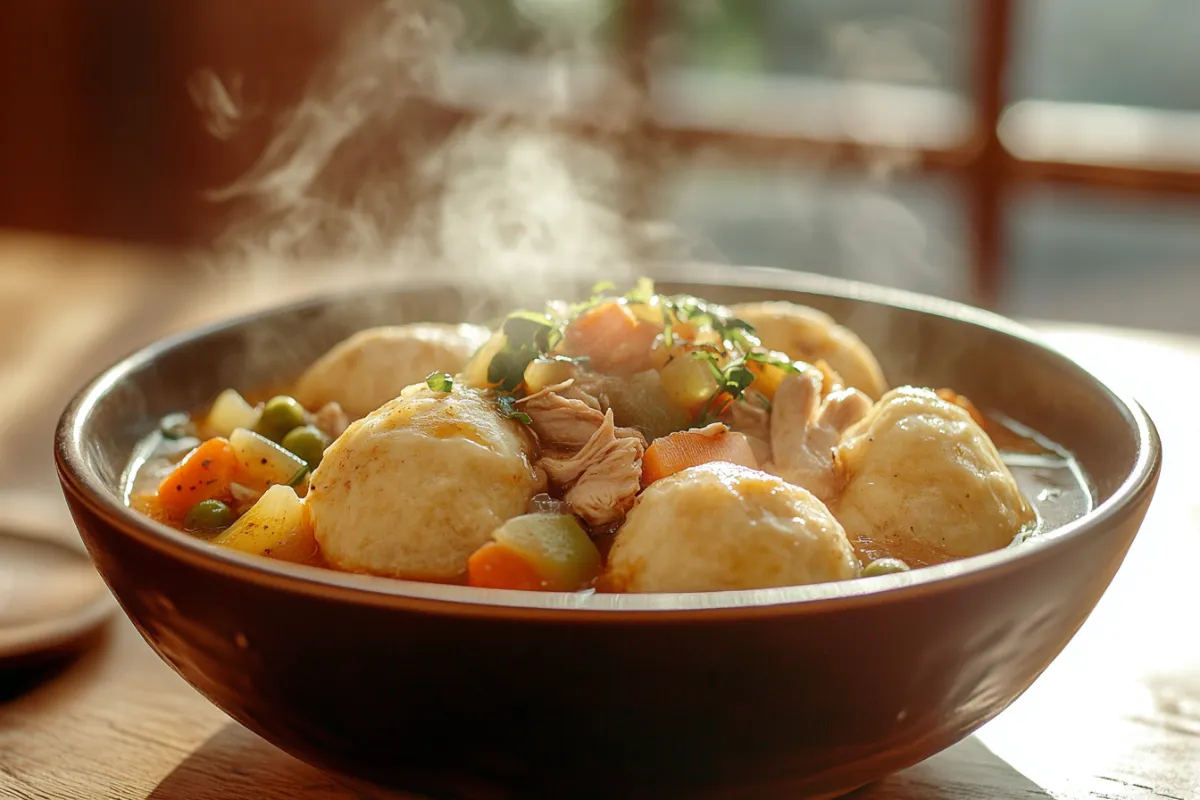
{"x":733,"y":378}
{"x":440,"y":382}
{"x":642,"y":291}
{"x":528,"y":329}
{"x":713,"y":410}
{"x":712,"y":360}
{"x":737,"y":378}
{"x":668,"y":307}
{"x":605,"y":291}
{"x":509,"y":410}
{"x":530,"y":335}
{"x":767,"y":358}
{"x":507,"y":369}
{"x":527,"y":335}
{"x":735,"y":332}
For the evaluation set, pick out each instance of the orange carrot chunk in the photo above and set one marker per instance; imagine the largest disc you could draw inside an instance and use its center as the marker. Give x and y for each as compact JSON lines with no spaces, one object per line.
{"x":679,"y":451}
{"x":536,"y":552}
{"x":613,"y":339}
{"x":495,"y":566}
{"x":205,"y":474}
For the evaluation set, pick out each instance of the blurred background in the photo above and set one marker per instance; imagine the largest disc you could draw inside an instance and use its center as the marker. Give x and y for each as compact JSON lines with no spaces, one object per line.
{"x":1036,"y":156}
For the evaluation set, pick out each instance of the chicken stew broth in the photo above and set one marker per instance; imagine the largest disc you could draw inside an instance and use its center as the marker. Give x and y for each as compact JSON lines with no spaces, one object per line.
{"x":632,"y":442}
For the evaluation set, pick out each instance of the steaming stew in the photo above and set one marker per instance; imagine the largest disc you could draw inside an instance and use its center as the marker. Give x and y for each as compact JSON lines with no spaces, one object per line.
{"x":632,"y":442}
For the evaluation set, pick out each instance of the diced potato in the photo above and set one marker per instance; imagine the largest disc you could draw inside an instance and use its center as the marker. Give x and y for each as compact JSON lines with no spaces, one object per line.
{"x":550,"y":552}
{"x":263,"y":463}
{"x":543,"y":372}
{"x":475,"y":373}
{"x":229,"y":412}
{"x":276,"y":527}
{"x":688,"y":382}
{"x":661,"y":353}
{"x":640,"y":402}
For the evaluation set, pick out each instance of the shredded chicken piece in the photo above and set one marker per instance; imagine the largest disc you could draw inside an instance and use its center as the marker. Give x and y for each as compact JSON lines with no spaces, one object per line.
{"x":843,"y":408}
{"x":331,"y":420}
{"x":564,"y":417}
{"x":751,"y":417}
{"x":593,"y":386}
{"x":569,"y":388}
{"x":804,"y":430}
{"x":712,"y":429}
{"x":832,"y":380}
{"x":603,"y":478}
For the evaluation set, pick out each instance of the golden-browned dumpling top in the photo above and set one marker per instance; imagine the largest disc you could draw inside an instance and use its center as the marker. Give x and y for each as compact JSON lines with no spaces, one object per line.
{"x":373,"y":366}
{"x":417,"y":486}
{"x":809,"y":335}
{"x":919,"y":469}
{"x":722,"y":527}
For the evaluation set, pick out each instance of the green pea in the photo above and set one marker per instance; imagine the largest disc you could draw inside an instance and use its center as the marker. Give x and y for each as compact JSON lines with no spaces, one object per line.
{"x":279,"y":416}
{"x":307,"y":442}
{"x":209,"y":515}
{"x":884,"y":566}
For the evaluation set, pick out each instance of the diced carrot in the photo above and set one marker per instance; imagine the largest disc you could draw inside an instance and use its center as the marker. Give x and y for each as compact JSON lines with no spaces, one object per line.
{"x":767,"y":377}
{"x":495,"y":566}
{"x":613,"y":339}
{"x":555,"y":546}
{"x":951,"y":396}
{"x":678,"y":451}
{"x":205,"y":474}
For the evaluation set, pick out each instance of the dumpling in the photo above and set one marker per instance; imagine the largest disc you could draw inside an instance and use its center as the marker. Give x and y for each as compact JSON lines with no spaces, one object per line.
{"x":373,"y":366}
{"x":920,"y":474}
{"x":809,"y":335}
{"x":721,"y":527}
{"x":418,"y":485}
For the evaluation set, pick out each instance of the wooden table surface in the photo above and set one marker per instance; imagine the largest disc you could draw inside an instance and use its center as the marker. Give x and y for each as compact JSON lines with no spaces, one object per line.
{"x":1117,"y":716}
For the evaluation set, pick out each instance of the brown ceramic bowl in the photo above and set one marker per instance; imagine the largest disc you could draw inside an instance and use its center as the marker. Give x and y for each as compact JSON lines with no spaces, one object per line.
{"x":450,"y":691}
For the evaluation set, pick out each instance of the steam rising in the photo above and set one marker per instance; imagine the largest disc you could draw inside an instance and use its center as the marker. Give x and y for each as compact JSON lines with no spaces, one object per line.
{"x":375,"y":174}
{"x":362,"y":177}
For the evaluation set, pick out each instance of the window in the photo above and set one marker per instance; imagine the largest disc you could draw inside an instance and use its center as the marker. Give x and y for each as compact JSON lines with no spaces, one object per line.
{"x":1000,"y":151}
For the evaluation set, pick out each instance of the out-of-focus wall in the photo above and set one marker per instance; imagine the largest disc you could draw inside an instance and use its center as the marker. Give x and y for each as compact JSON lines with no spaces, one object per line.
{"x":99,"y":133}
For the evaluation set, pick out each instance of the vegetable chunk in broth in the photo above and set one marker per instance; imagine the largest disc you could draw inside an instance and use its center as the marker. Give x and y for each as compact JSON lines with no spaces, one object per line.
{"x":630,"y":442}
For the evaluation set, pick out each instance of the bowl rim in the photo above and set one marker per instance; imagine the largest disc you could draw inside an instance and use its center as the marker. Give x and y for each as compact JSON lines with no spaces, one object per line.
{"x":78,"y":478}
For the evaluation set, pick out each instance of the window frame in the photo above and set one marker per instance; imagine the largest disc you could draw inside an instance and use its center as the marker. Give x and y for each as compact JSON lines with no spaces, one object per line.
{"x":984,"y":166}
